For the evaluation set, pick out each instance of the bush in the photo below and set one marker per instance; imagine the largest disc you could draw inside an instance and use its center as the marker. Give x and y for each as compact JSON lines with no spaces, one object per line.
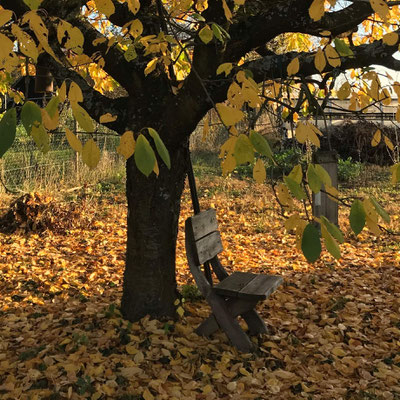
{"x":286,"y":160}
{"x":348,"y":170}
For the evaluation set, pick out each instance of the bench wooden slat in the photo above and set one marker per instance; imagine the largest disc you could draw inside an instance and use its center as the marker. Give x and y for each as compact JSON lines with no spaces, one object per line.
{"x":248,"y":286}
{"x":260,"y":287}
{"x":232,"y":285}
{"x":208,"y":247}
{"x":204,"y":223}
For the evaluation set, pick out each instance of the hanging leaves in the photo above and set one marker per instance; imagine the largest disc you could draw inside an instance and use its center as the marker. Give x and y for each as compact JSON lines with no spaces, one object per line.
{"x":31,"y":115}
{"x":82,"y":117}
{"x":229,"y":115}
{"x":311,"y":243}
{"x":91,"y":154}
{"x":259,"y":172}
{"x":160,"y":146}
{"x":8,"y":127}
{"x":73,"y":141}
{"x":293,"y":67}
{"x":126,"y":145}
{"x":320,"y":60}
{"x":243,"y":150}
{"x":145,"y":158}
{"x":357,"y":217}
{"x":317,"y":10}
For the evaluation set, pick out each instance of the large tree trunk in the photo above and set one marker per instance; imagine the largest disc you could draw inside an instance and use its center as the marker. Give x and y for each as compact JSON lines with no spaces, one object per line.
{"x":153,"y":212}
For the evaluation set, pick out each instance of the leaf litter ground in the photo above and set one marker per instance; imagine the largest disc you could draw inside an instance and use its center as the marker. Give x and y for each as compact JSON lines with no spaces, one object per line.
{"x":334,"y":326}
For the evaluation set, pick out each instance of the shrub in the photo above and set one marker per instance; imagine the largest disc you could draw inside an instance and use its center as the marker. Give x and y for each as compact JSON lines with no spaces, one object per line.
{"x":348,"y":170}
{"x":286,"y":160}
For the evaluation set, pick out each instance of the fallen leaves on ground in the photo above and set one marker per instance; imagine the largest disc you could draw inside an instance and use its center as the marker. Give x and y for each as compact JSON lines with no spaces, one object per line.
{"x":334,"y":326}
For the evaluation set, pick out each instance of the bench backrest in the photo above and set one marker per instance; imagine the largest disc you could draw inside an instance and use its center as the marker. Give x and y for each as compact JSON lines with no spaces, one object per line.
{"x":203,"y":235}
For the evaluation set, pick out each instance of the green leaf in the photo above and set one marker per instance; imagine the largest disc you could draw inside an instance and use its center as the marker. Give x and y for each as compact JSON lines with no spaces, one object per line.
{"x":330,"y":243}
{"x":261,"y":145}
{"x":31,"y":115}
{"x":243,"y":150}
{"x":145,"y":157}
{"x":160,"y":146}
{"x":323,"y":175}
{"x":311,"y":243}
{"x":217,"y":32}
{"x":52,"y":106}
{"x":357,"y":217}
{"x":313,"y":178}
{"x":206,"y":34}
{"x":82,"y":117}
{"x":333,"y":229}
{"x":295,"y":188}
{"x":380,"y":210}
{"x":8,"y":128}
{"x":342,"y":48}
{"x":41,"y":138}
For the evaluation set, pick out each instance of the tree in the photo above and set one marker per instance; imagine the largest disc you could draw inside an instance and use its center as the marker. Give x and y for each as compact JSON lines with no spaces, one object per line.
{"x":174,"y":61}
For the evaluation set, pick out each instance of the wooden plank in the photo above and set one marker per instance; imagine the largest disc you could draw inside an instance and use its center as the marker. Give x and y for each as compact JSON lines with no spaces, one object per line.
{"x":204,"y":223}
{"x":260,"y":287}
{"x":232,"y":285}
{"x":218,"y":269}
{"x":229,"y":324}
{"x":208,"y":247}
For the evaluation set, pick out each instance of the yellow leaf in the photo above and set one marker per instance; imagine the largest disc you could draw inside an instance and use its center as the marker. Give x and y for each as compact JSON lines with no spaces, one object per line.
{"x":229,"y":115}
{"x":398,"y":114}
{"x":332,"y":56}
{"x":131,"y":349}
{"x":91,"y":154}
{"x":320,"y":60}
{"x":147,"y":395}
{"x":62,"y":92}
{"x":381,"y":8}
{"x":73,"y":141}
{"x":376,"y":139}
{"x":106,"y":118}
{"x":226,"y":68}
{"x":26,"y":44}
{"x":284,"y":197}
{"x":227,"y":11}
{"x":106,"y":7}
{"x":293,"y":67}
{"x":133,"y":5}
{"x":229,"y":164}
{"x":75,"y":93}
{"x":259,"y":172}
{"x":344,"y":91}
{"x":41,"y":32}
{"x":41,"y":138}
{"x":180,"y":311}
{"x":206,"y":34}
{"x":136,"y":28}
{"x":391,"y":38}
{"x":317,"y":10}
{"x":5,"y":16}
{"x":292,"y":222}
{"x":50,"y":123}
{"x":388,"y":143}
{"x":151,"y":66}
{"x":337,"y":351}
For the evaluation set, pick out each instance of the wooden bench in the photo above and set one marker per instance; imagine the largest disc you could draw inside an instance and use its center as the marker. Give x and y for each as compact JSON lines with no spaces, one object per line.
{"x":236,"y":294}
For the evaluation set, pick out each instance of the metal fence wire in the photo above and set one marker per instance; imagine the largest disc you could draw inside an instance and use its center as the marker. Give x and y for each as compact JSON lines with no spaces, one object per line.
{"x":24,"y":165}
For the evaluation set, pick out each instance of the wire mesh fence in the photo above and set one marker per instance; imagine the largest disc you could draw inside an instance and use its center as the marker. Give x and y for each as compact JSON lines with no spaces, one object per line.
{"x":25,"y":167}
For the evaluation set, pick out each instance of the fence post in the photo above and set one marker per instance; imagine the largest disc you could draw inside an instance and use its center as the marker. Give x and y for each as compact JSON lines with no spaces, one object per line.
{"x":322,"y":204}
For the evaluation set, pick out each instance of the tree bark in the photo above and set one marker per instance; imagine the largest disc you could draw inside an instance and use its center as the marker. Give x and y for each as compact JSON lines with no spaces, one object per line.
{"x":153,"y":213}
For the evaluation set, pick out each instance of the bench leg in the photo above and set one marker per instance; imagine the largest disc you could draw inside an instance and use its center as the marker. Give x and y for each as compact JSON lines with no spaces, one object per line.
{"x":229,"y":324}
{"x":236,"y":307}
{"x":255,"y":323}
